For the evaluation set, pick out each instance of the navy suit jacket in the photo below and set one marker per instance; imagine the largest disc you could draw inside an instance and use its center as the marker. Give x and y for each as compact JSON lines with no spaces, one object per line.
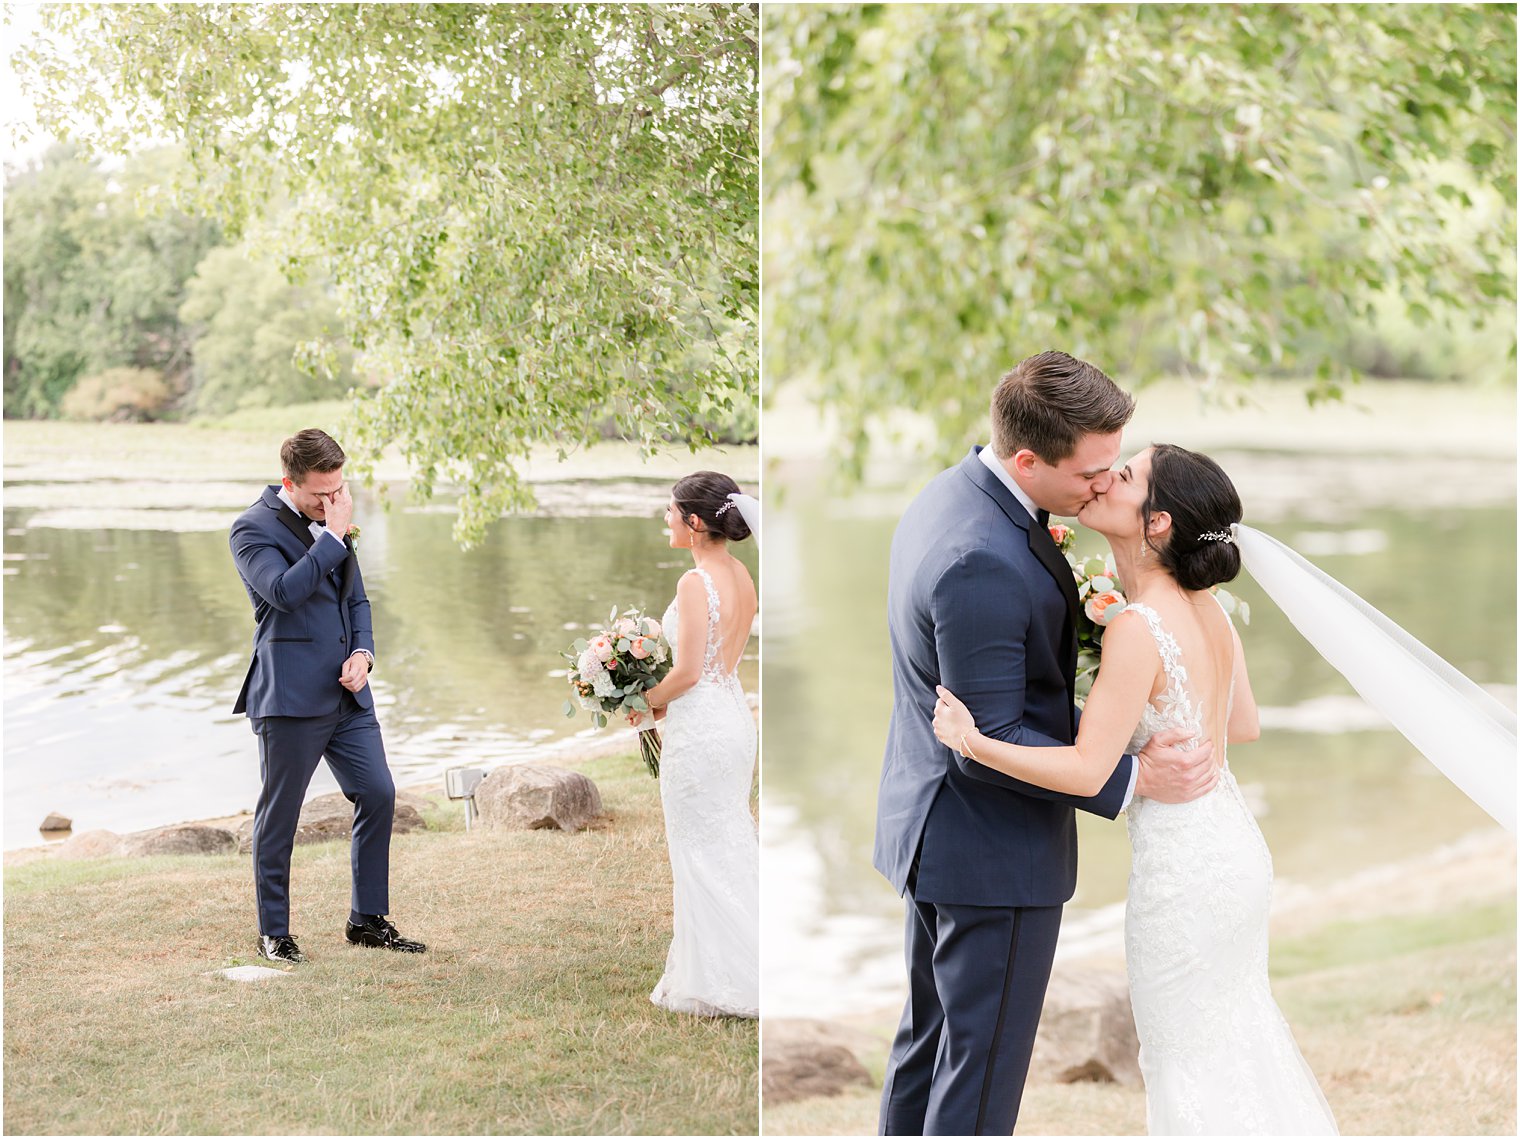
{"x":979,"y":599}
{"x":309,"y":612}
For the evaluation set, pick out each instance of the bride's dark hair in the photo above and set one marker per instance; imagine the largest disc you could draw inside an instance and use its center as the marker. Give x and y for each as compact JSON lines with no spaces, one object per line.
{"x":1201,"y":499}
{"x":704,"y":494}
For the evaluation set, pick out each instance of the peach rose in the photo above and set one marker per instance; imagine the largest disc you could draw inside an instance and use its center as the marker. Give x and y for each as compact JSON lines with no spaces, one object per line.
{"x":1101,"y":608}
{"x":1059,"y":533}
{"x":638,"y":649}
{"x":602,"y":647}
{"x":652,"y":627}
{"x":625,"y":627}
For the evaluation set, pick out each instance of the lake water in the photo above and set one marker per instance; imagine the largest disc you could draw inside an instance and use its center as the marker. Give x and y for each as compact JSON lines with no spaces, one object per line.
{"x":1335,"y":790}
{"x":127,"y":635}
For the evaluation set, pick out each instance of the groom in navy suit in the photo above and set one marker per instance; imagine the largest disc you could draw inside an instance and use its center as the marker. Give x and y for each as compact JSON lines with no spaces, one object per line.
{"x":307,"y":690}
{"x":981,"y":600}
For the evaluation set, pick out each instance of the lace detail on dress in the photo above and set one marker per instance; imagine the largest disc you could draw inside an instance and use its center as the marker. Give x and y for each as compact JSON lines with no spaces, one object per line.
{"x":706,"y":769}
{"x":1217,"y":1056}
{"x":712,"y":659}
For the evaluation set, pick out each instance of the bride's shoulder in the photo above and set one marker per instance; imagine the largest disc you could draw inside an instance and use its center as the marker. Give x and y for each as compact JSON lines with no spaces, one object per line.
{"x":1132,"y":626}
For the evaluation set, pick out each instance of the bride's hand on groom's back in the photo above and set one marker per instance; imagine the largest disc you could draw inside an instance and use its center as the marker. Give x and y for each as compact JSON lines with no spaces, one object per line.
{"x":1169,"y":774}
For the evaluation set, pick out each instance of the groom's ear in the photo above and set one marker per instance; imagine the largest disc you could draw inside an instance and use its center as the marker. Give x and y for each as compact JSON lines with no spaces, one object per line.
{"x":1023,"y":462}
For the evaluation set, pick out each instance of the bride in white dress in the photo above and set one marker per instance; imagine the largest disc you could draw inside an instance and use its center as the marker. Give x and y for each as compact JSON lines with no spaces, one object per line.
{"x":707,"y":764}
{"x":1216,"y":1054}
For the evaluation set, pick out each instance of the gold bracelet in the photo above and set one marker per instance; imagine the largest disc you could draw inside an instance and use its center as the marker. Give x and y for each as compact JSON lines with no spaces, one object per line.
{"x":965,"y":750}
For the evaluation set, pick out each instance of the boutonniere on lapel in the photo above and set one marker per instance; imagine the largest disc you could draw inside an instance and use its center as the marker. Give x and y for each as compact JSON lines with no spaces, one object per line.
{"x":353,"y":538}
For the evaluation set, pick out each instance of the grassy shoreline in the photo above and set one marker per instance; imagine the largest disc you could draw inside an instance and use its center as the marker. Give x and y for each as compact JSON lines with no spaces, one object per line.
{"x":245,"y":448}
{"x":1401,"y":998}
{"x":529,"y":1014}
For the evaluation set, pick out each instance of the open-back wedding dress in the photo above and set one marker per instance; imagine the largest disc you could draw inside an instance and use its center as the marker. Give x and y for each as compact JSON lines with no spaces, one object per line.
{"x":706,"y":768}
{"x":1217,"y":1056}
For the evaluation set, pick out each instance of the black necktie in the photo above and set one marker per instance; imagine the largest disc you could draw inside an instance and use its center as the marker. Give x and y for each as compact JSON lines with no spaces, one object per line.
{"x":1042,"y":517}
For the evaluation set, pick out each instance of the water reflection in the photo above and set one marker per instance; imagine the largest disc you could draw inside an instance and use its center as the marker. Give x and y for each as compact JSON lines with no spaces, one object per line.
{"x":1336,"y":790}
{"x":125,"y":643}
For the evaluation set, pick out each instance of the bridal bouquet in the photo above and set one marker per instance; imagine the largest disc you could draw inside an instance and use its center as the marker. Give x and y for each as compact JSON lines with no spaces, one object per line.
{"x":1100,"y":600}
{"x":611,"y":671}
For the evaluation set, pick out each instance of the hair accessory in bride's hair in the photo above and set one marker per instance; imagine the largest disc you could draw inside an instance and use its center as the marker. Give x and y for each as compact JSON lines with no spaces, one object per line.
{"x":1224,"y":536}
{"x":729,"y":505}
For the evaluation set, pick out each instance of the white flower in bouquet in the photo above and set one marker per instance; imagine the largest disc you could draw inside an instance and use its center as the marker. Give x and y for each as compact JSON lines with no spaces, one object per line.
{"x":611,"y":671}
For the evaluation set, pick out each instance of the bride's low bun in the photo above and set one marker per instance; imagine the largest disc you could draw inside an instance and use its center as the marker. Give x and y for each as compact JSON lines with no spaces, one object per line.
{"x":705,"y":494}
{"x":1201,"y":499}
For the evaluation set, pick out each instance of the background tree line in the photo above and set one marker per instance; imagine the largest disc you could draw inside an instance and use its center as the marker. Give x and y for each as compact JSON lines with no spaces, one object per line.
{"x":538,"y":223}
{"x":118,"y":306}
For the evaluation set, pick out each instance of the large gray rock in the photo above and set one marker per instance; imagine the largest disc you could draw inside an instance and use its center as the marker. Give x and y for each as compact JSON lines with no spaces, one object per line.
{"x":331,"y":816}
{"x":56,"y":822}
{"x":89,"y":844}
{"x":804,"y":1058}
{"x":1087,"y":1029}
{"x":185,"y":838}
{"x":532,"y":797}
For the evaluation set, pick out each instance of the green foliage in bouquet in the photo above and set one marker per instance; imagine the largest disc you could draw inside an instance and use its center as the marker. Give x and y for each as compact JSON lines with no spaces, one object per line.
{"x":611,"y":671}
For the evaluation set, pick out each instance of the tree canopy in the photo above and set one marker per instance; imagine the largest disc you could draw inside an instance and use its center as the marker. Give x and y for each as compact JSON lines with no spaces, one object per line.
{"x":1203,"y":189}
{"x":530,"y":214}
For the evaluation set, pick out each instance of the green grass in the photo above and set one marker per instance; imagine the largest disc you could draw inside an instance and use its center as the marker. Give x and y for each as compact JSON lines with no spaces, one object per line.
{"x":278,"y":421}
{"x":529,"y":1014}
{"x":1378,"y":939}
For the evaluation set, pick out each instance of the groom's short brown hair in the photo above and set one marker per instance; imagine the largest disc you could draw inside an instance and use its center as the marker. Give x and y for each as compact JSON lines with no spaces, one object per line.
{"x":310,"y":450}
{"x":1048,"y":402}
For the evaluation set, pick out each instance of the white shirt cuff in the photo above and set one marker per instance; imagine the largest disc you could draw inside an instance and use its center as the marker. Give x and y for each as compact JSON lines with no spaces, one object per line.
{"x":1134,"y":776}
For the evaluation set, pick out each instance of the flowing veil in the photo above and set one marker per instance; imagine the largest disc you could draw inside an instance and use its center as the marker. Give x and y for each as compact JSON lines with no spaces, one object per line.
{"x":1455,"y":724}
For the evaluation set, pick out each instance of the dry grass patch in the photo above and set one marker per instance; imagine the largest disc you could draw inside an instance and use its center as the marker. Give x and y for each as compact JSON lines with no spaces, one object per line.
{"x":1407,"y":1021}
{"x":529,"y":1014}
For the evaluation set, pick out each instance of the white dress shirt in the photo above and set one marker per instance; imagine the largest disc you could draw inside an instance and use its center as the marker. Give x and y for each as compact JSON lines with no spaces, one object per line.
{"x":993,"y":464}
{"x":317,"y":530}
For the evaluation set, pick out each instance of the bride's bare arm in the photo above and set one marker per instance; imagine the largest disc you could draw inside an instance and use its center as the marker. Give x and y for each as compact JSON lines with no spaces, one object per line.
{"x":691,"y":642}
{"x":1119,"y":694}
{"x":1245,"y":722}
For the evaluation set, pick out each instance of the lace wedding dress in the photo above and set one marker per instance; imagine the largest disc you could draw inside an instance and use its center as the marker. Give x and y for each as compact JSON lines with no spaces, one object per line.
{"x":706,"y":768}
{"x":1217,"y":1056}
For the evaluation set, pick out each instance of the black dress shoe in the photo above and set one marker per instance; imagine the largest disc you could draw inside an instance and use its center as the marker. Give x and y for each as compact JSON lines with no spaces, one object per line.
{"x":377,"y":933}
{"x":281,"y":949}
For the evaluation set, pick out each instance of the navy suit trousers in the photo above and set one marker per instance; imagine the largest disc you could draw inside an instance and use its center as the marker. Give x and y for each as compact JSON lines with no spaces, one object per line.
{"x":289,"y":750}
{"x":976,"y":984}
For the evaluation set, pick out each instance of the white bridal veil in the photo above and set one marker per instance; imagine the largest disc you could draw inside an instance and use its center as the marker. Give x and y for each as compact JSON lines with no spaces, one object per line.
{"x":1460,"y":728}
{"x":749,"y":510}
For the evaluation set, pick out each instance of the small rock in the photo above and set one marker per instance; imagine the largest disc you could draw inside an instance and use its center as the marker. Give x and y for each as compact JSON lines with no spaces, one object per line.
{"x":56,"y":822}
{"x":533,"y":797}
{"x":331,"y":816}
{"x":1087,"y":1029}
{"x":805,"y":1058}
{"x":184,"y":838}
{"x":89,"y":844}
